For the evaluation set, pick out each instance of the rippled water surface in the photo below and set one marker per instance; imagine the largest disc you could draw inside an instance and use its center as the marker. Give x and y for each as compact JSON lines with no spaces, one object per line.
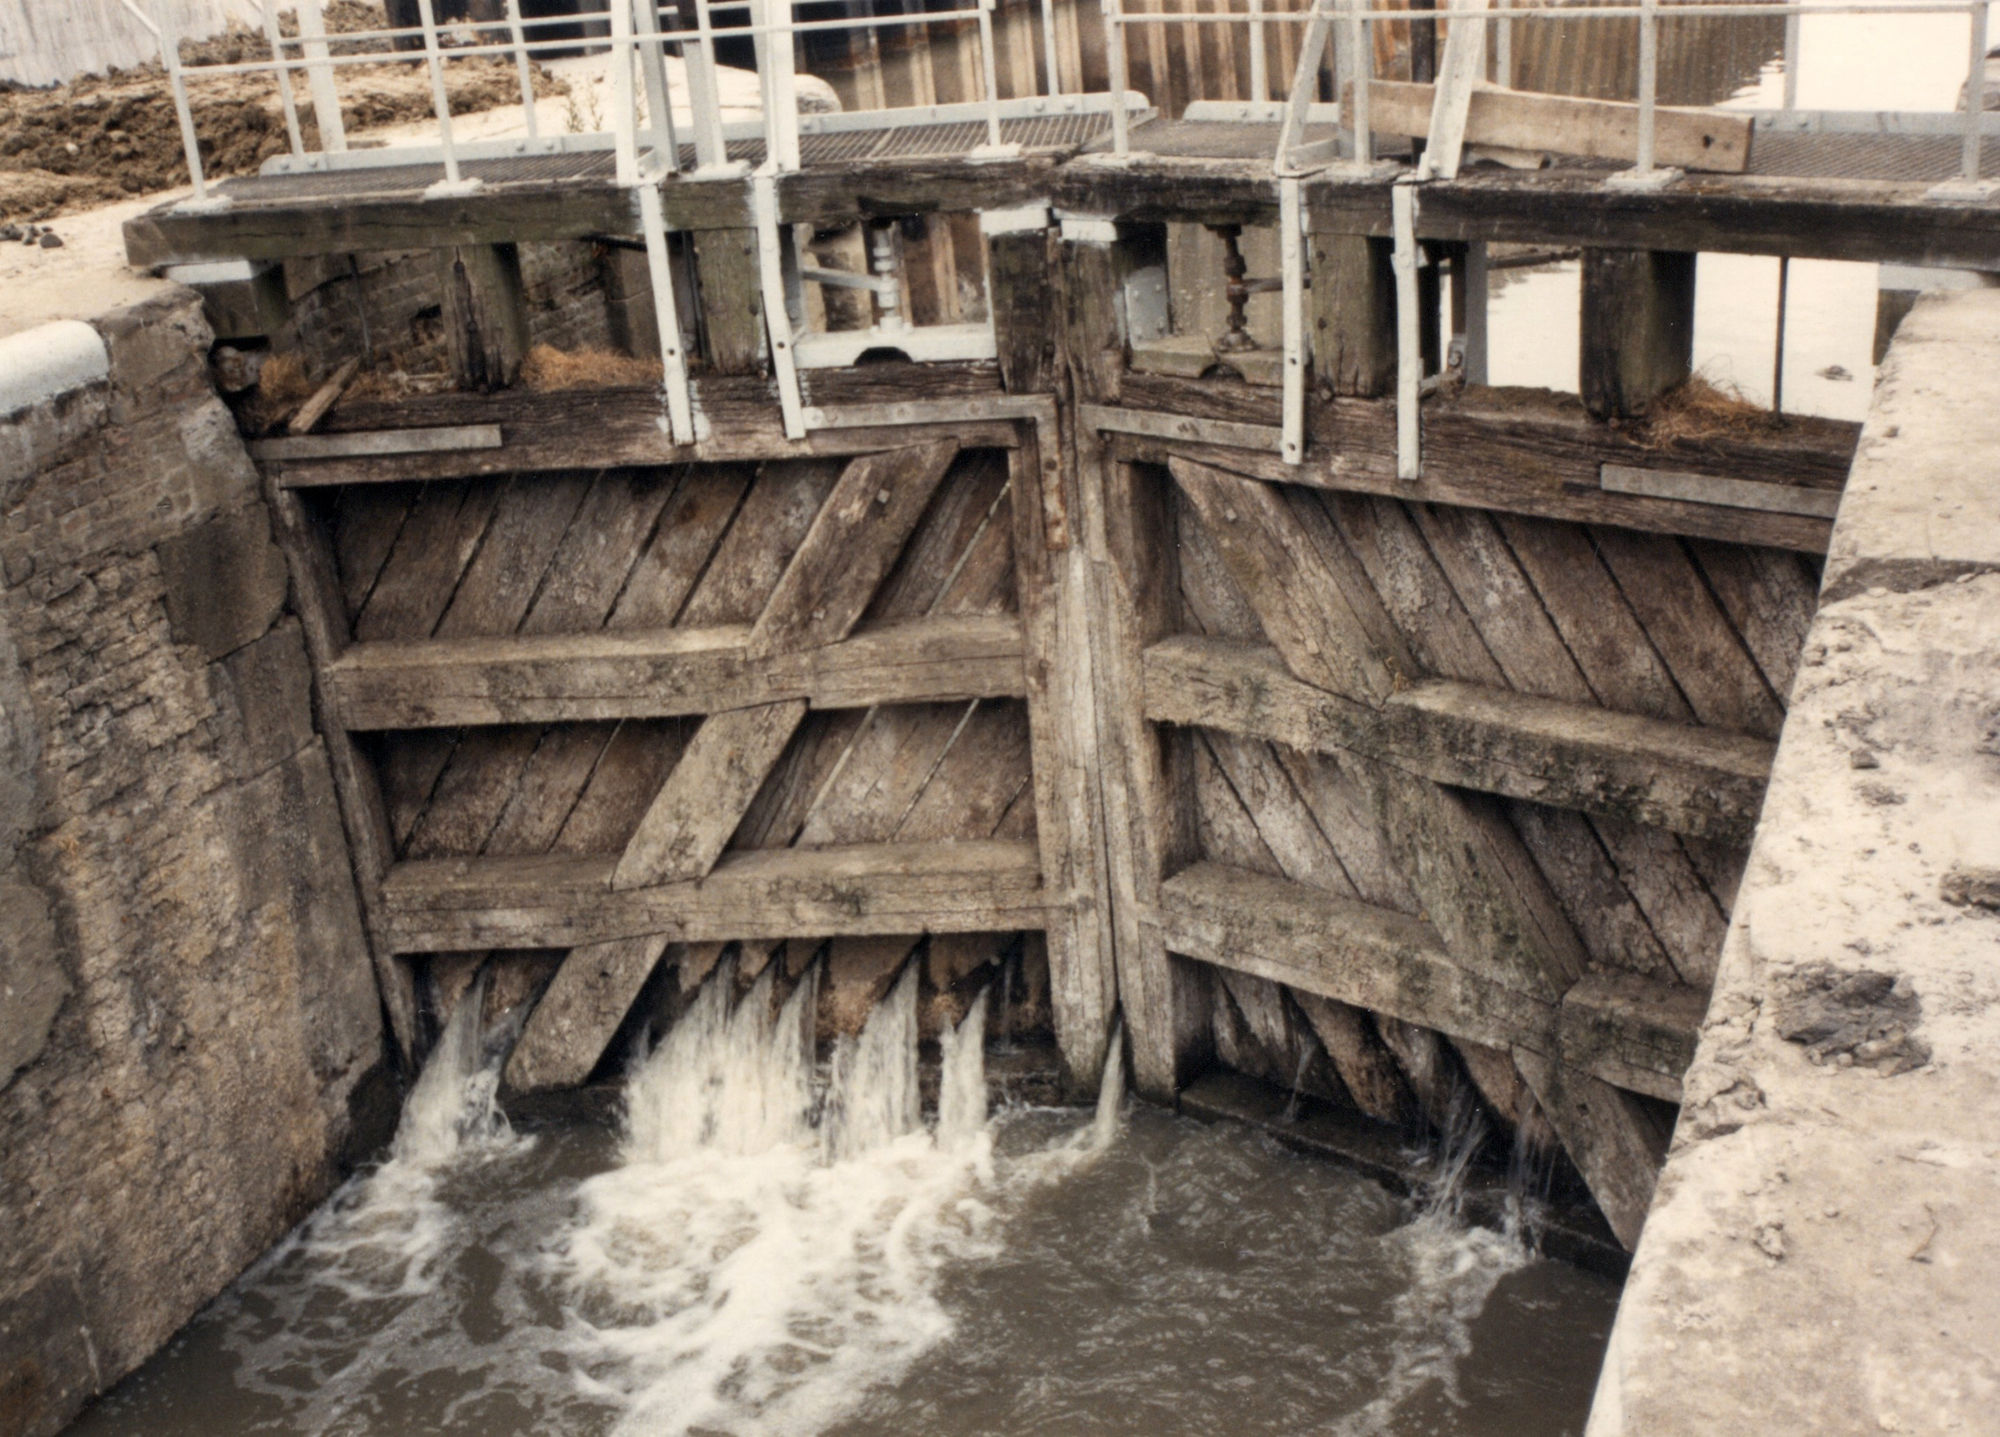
{"x":1185,"y":1280}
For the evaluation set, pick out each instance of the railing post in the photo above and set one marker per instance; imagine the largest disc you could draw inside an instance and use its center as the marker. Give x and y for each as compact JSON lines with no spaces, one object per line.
{"x":1361,"y":56}
{"x":523,"y":69}
{"x":1049,"y":55}
{"x":1260,"y":80}
{"x":1114,"y":60}
{"x":624,"y":97}
{"x":777,"y":65}
{"x":1975,"y":94}
{"x":170,"y":56}
{"x":319,"y":76}
{"x":440,"y":100}
{"x":286,"y":99}
{"x":1792,"y":62}
{"x":1649,"y":83}
{"x":710,"y":153}
{"x":990,"y":70}
{"x":1292,"y":257}
{"x":652,"y":54}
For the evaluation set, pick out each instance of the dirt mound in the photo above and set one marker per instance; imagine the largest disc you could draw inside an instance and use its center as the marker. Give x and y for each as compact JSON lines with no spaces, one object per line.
{"x":100,"y":139}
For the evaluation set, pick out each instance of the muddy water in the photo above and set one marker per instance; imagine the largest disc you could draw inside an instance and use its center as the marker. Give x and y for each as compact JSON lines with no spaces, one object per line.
{"x":1188,"y":1280}
{"x":767,"y":1246}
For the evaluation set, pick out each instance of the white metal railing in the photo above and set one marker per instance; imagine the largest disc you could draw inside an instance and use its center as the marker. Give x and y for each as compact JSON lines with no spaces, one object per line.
{"x":641,"y":133}
{"x":1345,"y":27}
{"x":640,"y":40}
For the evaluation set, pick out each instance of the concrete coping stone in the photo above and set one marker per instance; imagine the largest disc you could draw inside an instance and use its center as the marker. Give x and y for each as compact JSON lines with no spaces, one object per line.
{"x":44,"y":363}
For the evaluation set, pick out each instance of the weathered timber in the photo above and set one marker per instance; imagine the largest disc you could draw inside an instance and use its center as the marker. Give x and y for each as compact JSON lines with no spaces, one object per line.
{"x":1365,"y":1065}
{"x":455,"y":905}
{"x":667,"y":672}
{"x":1527,"y":452}
{"x":1562,"y":628}
{"x":1022,"y":298}
{"x":1353,"y":315}
{"x":732,"y":303}
{"x":371,"y":844}
{"x":384,"y":441}
{"x":1314,"y":600}
{"x":565,"y":1035}
{"x":850,"y":548}
{"x":1684,"y":138}
{"x":552,"y":430}
{"x":1256,"y":813}
{"x":1613,"y":1143}
{"x":1706,"y":782}
{"x":309,"y":414}
{"x":1318,"y":942}
{"x":1052,"y":585}
{"x":1630,"y":1032}
{"x":1314,"y":621}
{"x":1860,"y":220}
{"x":485,"y":314}
{"x":497,"y":214}
{"x":1638,"y":329}
{"x":820,"y":596}
{"x":575,"y":209}
{"x":699,"y":806}
{"x":1636,"y":1033}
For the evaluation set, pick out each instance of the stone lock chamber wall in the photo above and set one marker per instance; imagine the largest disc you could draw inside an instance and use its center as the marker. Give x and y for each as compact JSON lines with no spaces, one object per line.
{"x":191,"y":1040}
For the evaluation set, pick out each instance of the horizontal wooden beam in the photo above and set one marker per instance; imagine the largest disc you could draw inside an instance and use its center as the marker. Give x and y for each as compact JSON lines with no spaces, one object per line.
{"x":359,"y":224}
{"x":446,"y":683}
{"x":1684,"y":138}
{"x":564,"y":429}
{"x":454,"y":905}
{"x":1522,"y":452}
{"x":1629,"y":1031}
{"x":1867,"y":221}
{"x":572,"y":209}
{"x":1632,"y":1032}
{"x":1705,"y":782}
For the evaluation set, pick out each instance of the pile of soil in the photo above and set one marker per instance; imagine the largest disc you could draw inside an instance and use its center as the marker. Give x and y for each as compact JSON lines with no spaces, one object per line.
{"x":101,"y":139}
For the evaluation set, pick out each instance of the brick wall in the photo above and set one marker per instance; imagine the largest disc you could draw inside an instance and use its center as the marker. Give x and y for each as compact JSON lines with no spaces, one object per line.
{"x":190,"y":1038}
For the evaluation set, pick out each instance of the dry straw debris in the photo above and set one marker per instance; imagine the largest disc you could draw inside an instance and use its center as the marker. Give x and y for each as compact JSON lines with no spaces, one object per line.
{"x":547,"y":368}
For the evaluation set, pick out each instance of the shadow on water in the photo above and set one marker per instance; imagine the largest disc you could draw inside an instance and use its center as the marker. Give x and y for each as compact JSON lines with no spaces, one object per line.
{"x":776,"y":1246}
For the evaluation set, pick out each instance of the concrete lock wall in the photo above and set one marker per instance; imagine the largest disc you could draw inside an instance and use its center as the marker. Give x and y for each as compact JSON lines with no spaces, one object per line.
{"x":1820,"y":1255}
{"x":190,"y":1036}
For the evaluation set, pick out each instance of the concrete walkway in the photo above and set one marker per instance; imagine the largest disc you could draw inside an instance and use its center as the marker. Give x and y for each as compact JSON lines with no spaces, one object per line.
{"x":1823,"y":1255}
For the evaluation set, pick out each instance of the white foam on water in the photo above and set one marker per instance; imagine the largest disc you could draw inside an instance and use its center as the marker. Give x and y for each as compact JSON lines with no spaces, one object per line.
{"x":1452,"y":1270}
{"x":744,"y":1273}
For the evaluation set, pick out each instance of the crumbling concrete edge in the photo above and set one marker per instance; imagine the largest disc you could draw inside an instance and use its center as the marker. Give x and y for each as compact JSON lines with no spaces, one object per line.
{"x":1819,"y":1256}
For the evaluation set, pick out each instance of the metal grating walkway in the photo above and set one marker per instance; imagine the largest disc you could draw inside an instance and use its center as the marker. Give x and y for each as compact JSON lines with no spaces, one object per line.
{"x":1041,"y":134}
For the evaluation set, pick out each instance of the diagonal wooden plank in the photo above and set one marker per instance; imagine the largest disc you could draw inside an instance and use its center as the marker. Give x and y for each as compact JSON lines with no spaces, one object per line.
{"x":583,"y":1005}
{"x":851,"y":547}
{"x":702,"y":801}
{"x":1615,"y":1144}
{"x":1266,"y":550}
{"x":822,"y":594}
{"x":1470,"y":871}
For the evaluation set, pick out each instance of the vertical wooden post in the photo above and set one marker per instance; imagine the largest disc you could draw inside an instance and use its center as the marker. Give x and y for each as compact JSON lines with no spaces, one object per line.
{"x":1019,"y":266}
{"x":628,"y":297}
{"x":1637,"y":328}
{"x":485,"y":314}
{"x":1148,"y":788}
{"x":371,"y":842}
{"x":732,"y":305}
{"x":1354,"y":315}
